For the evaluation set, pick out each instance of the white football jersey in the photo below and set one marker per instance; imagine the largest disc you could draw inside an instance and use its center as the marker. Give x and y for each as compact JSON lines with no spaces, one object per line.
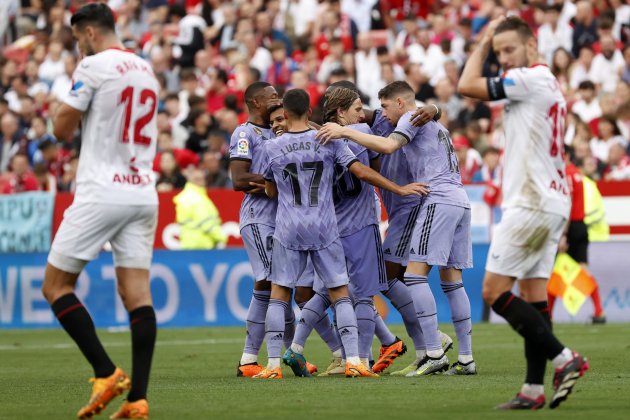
{"x":534,"y":121}
{"x":118,"y":93}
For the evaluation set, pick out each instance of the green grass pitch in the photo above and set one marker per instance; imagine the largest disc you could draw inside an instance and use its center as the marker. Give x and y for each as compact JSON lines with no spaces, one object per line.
{"x":43,"y":376}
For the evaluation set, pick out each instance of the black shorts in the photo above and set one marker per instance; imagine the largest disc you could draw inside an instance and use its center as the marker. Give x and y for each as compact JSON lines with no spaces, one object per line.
{"x":577,"y":239}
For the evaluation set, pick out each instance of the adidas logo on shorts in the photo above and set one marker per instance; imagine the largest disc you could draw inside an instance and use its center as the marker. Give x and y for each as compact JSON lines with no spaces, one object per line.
{"x":413,"y":251}
{"x":388,"y":251}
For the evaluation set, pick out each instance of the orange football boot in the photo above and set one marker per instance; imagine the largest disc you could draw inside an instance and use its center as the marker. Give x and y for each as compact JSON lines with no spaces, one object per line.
{"x":311,"y":368}
{"x":103,"y":391}
{"x":269,"y":374}
{"x":353,"y":371}
{"x":249,"y":369}
{"x":388,"y":354}
{"x":132,"y":410}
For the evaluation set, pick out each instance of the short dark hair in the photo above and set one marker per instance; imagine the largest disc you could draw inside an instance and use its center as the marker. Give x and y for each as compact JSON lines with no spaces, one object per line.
{"x":97,"y":14}
{"x":296,"y":102}
{"x":273,"y":108}
{"x":515,"y":23}
{"x":253,"y":90}
{"x":492,"y":149}
{"x":187,"y":75}
{"x":586,"y":85}
{"x":222,"y":76}
{"x":394,"y":89}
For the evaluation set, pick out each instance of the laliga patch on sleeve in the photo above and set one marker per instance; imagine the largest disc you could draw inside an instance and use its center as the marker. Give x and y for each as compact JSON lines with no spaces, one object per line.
{"x":242,"y":147}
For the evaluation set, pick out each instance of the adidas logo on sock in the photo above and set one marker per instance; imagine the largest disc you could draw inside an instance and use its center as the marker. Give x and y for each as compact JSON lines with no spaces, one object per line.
{"x":344,"y":331}
{"x":413,"y":251}
{"x":277,"y":337}
{"x":388,"y":251}
{"x":302,"y":321}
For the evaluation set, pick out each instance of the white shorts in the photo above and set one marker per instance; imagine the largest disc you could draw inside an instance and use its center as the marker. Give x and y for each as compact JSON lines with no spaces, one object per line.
{"x":86,"y":227}
{"x":525,"y":243}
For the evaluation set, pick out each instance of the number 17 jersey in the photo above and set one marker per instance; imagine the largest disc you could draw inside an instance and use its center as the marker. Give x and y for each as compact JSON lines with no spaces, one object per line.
{"x":304,"y":172}
{"x":117,"y":92}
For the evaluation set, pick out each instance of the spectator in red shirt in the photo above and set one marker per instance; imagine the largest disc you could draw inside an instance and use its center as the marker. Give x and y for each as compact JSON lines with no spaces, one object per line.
{"x":215,"y":98}
{"x":469,"y":159}
{"x":279,"y":73}
{"x":46,"y":181}
{"x":20,"y":179}
{"x":184,"y":157}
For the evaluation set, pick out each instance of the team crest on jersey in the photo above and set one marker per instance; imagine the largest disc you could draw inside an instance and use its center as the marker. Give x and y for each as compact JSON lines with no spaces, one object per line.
{"x":242,"y":147}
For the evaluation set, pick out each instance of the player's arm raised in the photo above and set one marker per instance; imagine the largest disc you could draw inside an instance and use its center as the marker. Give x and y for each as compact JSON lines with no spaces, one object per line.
{"x":385,"y":145}
{"x":372,"y":177}
{"x":472,"y":83}
{"x":66,"y":122}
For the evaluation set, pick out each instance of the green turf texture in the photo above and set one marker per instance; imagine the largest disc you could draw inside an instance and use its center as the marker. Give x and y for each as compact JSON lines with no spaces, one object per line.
{"x":43,"y":376}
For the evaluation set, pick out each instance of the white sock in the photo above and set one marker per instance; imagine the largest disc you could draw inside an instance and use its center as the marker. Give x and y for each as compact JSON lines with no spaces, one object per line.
{"x":337,"y":354}
{"x":532,"y":391}
{"x":354,"y":360}
{"x":563,"y":358}
{"x":297,"y":348}
{"x":435,"y":354}
{"x":464,"y":359}
{"x":273,"y":363}
{"x":247,"y":358}
{"x":365,"y":361}
{"x":420,"y":354}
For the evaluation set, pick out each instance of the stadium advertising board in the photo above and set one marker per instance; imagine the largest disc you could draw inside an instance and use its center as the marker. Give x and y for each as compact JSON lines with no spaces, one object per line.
{"x":190,"y":288}
{"x":25,"y":222}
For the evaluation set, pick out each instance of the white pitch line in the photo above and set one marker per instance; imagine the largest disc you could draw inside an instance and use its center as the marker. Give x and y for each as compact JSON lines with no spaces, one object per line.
{"x":63,"y":346}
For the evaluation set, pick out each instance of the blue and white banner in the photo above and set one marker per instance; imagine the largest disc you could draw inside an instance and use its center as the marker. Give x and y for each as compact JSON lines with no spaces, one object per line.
{"x":25,"y":222}
{"x":190,"y":288}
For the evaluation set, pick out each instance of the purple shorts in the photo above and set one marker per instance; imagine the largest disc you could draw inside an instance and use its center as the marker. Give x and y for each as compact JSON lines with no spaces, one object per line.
{"x":329,"y":265}
{"x":364,"y":259}
{"x":308,"y":276}
{"x":398,"y":236}
{"x":442,"y":237}
{"x":258,"y":240}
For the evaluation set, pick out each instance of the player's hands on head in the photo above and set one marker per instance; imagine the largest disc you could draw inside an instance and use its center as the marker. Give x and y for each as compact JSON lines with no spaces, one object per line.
{"x":328,"y":132}
{"x":415,"y":188}
{"x":490,"y":28}
{"x":423,"y":115}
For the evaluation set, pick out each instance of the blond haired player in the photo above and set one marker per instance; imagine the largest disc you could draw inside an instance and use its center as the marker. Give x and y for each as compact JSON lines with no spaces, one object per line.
{"x":536,"y":202}
{"x":114,"y":95}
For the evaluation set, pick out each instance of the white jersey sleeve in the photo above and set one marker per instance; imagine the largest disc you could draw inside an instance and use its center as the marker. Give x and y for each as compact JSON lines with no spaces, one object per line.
{"x":118,"y":94}
{"x":534,"y":121}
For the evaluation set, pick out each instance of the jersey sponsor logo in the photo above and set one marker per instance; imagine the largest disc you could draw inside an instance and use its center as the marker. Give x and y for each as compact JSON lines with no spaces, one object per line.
{"x":132,"y":179}
{"x":75,"y":88}
{"x":242,"y":147}
{"x":559,"y":186}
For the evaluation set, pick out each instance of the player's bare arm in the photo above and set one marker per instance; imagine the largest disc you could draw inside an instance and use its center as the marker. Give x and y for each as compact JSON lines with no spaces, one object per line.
{"x":375,"y":164}
{"x":271,"y":189}
{"x":241,"y":177}
{"x":424,"y":114}
{"x":385,"y":145}
{"x":472,"y":83}
{"x":372,"y":177}
{"x":66,"y":121}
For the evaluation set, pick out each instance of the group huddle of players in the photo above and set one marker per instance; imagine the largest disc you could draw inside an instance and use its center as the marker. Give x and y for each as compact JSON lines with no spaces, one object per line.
{"x":310,"y":218}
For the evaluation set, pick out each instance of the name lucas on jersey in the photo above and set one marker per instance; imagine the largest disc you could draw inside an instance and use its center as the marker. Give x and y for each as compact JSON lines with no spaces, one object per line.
{"x":294,"y":147}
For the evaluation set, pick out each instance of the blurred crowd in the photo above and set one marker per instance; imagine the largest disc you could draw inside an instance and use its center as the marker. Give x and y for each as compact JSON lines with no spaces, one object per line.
{"x":206,"y":52}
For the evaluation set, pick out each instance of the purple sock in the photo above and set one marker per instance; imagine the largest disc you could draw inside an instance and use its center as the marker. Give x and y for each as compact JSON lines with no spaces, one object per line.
{"x":400,"y":296}
{"x":365,"y":312}
{"x":460,"y":311}
{"x":289,"y":326}
{"x":312,"y":312}
{"x":382,"y":332}
{"x":275,"y":327}
{"x":347,"y":326}
{"x":426,"y":309}
{"x":256,"y":321}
